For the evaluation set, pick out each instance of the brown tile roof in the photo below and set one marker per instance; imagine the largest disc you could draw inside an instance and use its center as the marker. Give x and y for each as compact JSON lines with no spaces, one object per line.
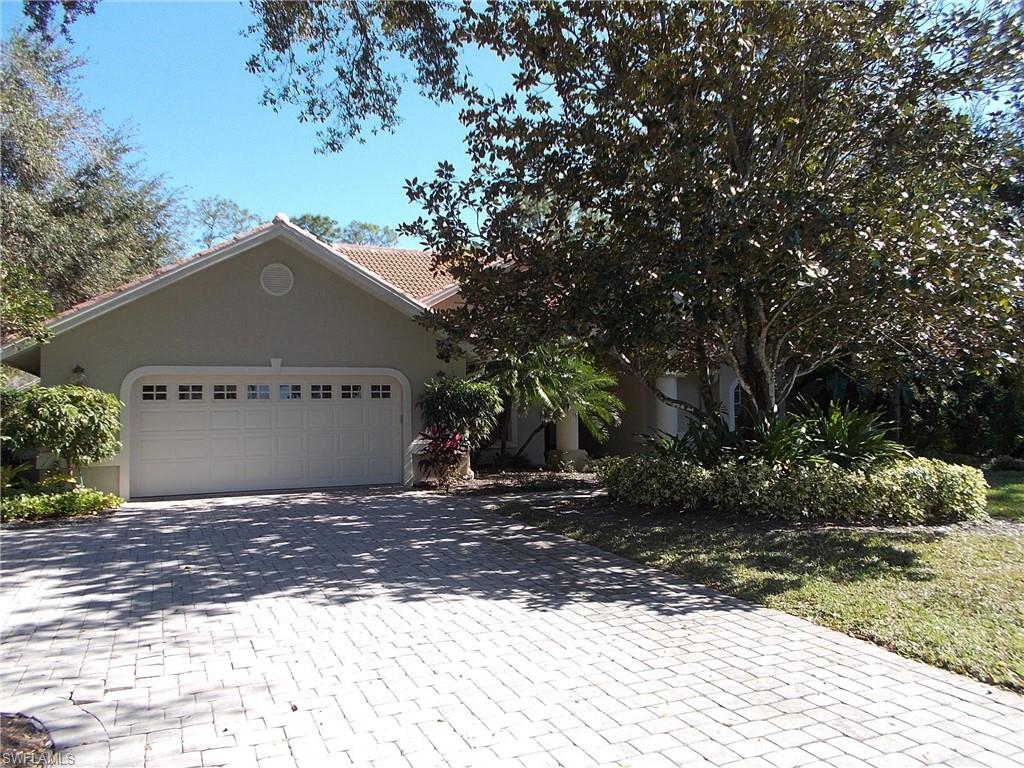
{"x":407,"y":269}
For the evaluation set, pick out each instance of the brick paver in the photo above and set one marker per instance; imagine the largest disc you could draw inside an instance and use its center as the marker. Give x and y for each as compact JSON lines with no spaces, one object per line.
{"x":389,"y":628}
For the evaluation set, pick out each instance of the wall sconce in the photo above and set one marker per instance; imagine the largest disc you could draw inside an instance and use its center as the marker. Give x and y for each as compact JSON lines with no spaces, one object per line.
{"x":77,"y":376}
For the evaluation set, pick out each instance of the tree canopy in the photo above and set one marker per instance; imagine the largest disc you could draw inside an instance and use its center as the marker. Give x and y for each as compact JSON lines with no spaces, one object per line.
{"x":216,"y":218}
{"x":770,"y":185}
{"x":77,"y":216}
{"x":365,"y":233}
{"x":324,"y":227}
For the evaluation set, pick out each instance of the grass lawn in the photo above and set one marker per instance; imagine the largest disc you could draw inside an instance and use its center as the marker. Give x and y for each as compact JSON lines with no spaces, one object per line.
{"x":1006,"y":495}
{"x":952,"y":598}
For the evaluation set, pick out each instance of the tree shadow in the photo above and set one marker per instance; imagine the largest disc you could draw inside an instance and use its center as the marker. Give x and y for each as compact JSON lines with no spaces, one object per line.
{"x":335,"y":547}
{"x":749,"y":558}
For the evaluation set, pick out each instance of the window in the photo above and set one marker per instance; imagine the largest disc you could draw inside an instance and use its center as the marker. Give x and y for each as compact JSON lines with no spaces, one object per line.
{"x":257,"y":391}
{"x":350,"y":391}
{"x":380,"y":391}
{"x":320,"y":391}
{"x":225,"y":392}
{"x":290,"y":391}
{"x":154,"y":391}
{"x":190,"y":391}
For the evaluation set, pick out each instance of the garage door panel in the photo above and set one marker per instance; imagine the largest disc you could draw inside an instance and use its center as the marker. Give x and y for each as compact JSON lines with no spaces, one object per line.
{"x":259,"y":445}
{"x":226,"y":447}
{"x":323,"y":444}
{"x":380,"y":445}
{"x":380,"y":417}
{"x":191,"y":419}
{"x":323,"y":470}
{"x":291,"y":444}
{"x":188,"y":449}
{"x":355,"y":416}
{"x":288,"y":418}
{"x":259,"y":417}
{"x":226,"y":419}
{"x":207,"y":445}
{"x":150,"y":450}
{"x":155,"y":421}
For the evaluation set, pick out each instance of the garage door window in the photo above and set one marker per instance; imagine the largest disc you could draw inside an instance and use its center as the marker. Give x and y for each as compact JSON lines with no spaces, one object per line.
{"x":257,"y":391}
{"x":225,"y":392}
{"x":190,"y":391}
{"x":350,"y":391}
{"x":321,"y":392}
{"x":380,"y":391}
{"x":154,"y":391}
{"x":290,"y":391}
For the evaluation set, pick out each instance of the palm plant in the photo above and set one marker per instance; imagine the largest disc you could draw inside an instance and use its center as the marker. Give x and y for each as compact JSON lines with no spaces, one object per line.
{"x":556,"y":379}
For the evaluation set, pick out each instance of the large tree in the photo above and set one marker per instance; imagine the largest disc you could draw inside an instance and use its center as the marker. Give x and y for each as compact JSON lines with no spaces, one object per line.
{"x":365,"y":233}
{"x":770,"y":185}
{"x":77,"y":217}
{"x":317,"y":224}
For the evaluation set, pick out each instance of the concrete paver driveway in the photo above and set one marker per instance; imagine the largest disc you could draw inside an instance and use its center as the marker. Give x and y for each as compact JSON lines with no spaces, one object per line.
{"x":401,"y":628}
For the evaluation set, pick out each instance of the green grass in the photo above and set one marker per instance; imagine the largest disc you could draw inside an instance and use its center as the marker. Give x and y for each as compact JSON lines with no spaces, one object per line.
{"x":955,"y":600}
{"x":1006,"y":495}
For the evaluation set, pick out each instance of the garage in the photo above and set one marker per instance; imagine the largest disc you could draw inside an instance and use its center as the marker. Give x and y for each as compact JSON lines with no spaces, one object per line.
{"x":204,"y":433}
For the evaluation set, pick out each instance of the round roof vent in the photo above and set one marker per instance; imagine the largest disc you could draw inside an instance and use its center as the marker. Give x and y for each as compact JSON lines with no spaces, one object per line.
{"x":277,"y":279}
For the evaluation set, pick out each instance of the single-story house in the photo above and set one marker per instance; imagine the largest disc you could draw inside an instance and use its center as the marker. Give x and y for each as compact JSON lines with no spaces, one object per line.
{"x":276,"y":360}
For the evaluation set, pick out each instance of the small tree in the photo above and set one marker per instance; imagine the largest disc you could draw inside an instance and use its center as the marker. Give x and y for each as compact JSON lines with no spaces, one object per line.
{"x":79,"y":425}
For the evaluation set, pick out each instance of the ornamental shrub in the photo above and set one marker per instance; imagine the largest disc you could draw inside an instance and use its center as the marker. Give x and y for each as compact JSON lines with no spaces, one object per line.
{"x":903,"y":492}
{"x":651,"y":480}
{"x":47,"y":506}
{"x":79,"y":425}
{"x":460,"y":406}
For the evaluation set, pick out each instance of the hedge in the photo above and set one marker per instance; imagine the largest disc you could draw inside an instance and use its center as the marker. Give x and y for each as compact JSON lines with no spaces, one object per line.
{"x":903,"y":492}
{"x":46,"y":506}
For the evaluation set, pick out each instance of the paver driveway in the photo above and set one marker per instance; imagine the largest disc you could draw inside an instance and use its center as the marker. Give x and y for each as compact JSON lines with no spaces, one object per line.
{"x":395,"y":628}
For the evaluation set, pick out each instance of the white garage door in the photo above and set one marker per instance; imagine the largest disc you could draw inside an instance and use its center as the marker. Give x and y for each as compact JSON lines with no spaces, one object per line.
{"x":200,"y":434}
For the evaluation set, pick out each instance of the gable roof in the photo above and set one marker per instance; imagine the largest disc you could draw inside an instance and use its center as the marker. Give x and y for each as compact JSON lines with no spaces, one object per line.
{"x":408,"y":273}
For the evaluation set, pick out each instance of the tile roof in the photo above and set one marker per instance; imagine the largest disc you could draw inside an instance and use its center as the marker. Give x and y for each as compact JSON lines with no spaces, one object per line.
{"x":409,"y":270}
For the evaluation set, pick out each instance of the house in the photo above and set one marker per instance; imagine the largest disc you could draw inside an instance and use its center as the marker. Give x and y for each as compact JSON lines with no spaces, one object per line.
{"x":276,"y":360}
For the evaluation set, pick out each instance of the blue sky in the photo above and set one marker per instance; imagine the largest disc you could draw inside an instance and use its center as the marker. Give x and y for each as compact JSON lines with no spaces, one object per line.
{"x":175,"y":73}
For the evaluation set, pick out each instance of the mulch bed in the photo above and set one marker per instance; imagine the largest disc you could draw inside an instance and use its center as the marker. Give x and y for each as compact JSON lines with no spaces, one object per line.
{"x":23,"y":740}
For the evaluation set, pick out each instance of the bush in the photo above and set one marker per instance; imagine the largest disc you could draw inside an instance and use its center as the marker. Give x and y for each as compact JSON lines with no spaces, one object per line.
{"x":442,"y":454}
{"x":77,"y":424}
{"x":459,"y":406}
{"x":903,"y":492}
{"x":1006,"y":463}
{"x":47,"y":506}
{"x":651,"y":480}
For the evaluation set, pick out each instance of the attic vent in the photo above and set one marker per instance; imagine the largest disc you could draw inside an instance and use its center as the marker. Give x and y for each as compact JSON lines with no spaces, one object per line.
{"x":276,"y":279}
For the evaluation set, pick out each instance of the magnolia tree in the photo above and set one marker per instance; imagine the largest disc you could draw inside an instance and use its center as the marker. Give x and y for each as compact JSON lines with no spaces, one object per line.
{"x":772,"y":186}
{"x":769,"y":185}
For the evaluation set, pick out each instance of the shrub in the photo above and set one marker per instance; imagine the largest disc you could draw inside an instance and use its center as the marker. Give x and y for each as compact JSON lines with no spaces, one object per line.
{"x":1006,"y":463}
{"x":46,"y":506}
{"x":651,"y":480}
{"x":77,"y":424}
{"x":903,"y":492}
{"x":460,"y":406}
{"x":442,"y":452}
{"x":707,"y":443}
{"x":851,"y":438}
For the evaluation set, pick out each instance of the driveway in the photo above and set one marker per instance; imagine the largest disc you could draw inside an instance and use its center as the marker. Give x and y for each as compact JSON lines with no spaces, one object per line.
{"x":401,"y":628}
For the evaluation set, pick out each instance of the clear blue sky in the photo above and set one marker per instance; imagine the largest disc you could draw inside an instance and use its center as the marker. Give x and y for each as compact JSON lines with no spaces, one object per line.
{"x":175,"y":73}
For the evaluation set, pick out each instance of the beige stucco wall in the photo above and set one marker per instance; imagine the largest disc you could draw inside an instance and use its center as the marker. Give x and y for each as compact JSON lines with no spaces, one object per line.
{"x":221,"y":316}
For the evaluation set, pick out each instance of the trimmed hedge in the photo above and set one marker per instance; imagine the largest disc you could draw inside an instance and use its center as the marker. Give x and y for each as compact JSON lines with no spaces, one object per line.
{"x":80,"y":502}
{"x":904,"y":492}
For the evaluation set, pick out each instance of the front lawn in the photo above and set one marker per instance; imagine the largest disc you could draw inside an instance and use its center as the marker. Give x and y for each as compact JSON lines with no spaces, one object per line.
{"x":1006,"y":494}
{"x":953,"y":598}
